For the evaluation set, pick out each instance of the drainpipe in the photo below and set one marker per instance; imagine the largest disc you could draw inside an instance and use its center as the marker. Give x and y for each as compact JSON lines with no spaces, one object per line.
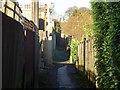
{"x":35,"y":19}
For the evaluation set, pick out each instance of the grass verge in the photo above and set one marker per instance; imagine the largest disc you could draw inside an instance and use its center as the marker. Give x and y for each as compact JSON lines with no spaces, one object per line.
{"x":81,"y":80}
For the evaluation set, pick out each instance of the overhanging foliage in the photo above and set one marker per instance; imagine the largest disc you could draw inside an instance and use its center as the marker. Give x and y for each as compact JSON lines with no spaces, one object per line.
{"x":106,"y":16}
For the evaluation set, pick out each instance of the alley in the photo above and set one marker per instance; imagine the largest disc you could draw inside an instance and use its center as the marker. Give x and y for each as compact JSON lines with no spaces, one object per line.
{"x":37,"y":53}
{"x":60,"y":75}
{"x":60,"y":44}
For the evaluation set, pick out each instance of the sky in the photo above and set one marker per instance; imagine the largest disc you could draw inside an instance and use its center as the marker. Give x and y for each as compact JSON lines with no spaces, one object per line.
{"x":62,"y":5}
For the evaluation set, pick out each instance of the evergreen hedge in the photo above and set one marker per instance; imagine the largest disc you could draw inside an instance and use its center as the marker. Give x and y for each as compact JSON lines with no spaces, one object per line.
{"x":106,"y":16}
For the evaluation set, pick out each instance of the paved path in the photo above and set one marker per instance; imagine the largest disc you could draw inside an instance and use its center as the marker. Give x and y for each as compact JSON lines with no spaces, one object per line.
{"x":61,"y":76}
{"x":61,"y":73}
{"x":60,"y":55}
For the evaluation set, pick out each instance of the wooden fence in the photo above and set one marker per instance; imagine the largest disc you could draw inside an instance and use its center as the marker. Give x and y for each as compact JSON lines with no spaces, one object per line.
{"x":86,"y":58}
{"x":21,"y":34}
{"x":12,"y":9}
{"x":13,"y":53}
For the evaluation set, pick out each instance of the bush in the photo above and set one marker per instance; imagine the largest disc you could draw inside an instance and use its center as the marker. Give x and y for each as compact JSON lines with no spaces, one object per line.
{"x":73,"y":50}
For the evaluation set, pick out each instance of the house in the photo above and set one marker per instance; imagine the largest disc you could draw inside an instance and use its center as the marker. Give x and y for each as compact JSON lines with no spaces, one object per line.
{"x":27,"y":10}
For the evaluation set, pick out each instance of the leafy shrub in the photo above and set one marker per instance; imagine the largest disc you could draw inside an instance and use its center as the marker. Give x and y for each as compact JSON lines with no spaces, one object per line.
{"x":73,"y":50}
{"x":106,"y":16}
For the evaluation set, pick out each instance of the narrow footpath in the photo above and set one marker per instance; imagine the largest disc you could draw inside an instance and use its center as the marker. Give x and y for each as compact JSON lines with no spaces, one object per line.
{"x":60,"y":75}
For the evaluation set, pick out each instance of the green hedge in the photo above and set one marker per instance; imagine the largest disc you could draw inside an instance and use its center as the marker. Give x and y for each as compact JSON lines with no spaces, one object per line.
{"x":106,"y":17}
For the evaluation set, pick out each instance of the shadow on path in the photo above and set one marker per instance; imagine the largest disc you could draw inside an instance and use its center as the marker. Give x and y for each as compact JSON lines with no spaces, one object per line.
{"x":60,"y":55}
{"x":60,"y":75}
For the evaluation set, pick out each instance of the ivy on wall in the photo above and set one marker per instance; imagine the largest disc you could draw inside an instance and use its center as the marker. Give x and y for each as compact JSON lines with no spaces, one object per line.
{"x":106,"y":16}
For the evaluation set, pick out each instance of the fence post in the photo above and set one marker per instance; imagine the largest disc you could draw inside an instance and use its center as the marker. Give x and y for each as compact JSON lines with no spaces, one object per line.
{"x":77,"y":57}
{"x":5,"y":10}
{"x":82,"y":60}
{"x":14,"y":10}
{"x":84,"y":52}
